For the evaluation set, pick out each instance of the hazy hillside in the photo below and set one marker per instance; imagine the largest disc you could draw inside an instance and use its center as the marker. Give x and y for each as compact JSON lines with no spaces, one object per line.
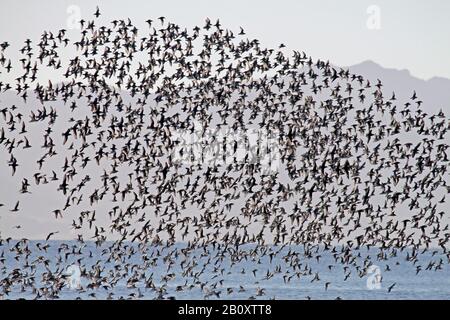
{"x":435,"y":92}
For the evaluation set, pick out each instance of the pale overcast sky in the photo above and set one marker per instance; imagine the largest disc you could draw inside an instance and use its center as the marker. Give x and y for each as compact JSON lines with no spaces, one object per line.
{"x":413,"y":35}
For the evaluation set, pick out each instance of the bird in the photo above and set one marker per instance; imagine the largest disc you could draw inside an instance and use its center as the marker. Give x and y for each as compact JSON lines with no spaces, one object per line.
{"x":97,"y":12}
{"x":57,"y":213}
{"x":51,"y":234}
{"x":391,"y":287}
{"x":16,"y":207}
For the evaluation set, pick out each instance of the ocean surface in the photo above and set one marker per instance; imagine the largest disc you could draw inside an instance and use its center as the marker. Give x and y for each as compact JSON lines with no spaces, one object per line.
{"x":240,"y":280}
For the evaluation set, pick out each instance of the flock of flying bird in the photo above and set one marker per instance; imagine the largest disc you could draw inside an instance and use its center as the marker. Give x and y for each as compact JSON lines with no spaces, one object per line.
{"x":357,"y":169}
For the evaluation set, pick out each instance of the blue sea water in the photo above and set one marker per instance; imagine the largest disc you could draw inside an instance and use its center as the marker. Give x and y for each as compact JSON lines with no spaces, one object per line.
{"x":427,"y":284}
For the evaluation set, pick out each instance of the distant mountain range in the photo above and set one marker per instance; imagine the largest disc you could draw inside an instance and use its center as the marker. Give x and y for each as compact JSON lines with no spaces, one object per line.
{"x":435,"y":92}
